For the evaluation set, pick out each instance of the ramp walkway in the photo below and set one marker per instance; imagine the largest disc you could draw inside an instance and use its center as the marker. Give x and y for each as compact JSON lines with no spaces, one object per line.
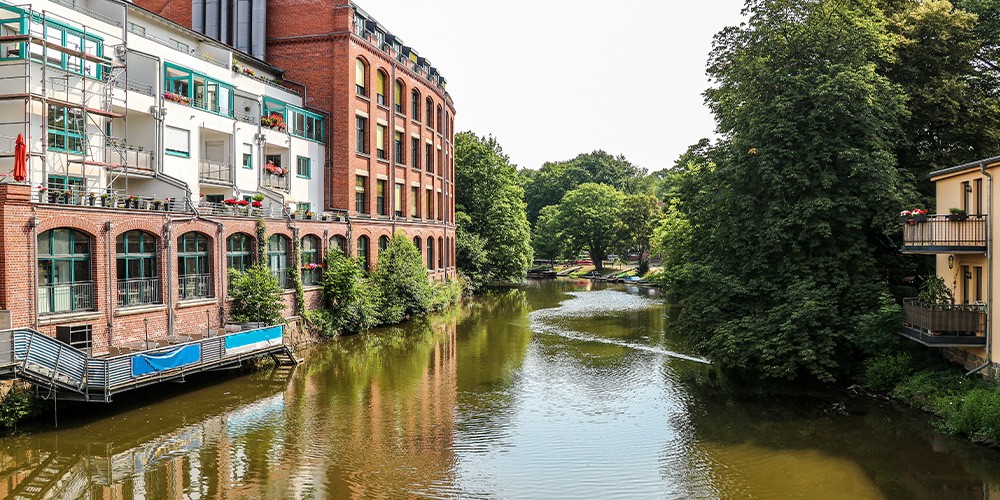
{"x":75,"y":375}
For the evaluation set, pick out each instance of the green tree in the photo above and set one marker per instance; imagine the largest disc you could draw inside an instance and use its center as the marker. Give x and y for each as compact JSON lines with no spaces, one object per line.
{"x":553,"y":180}
{"x":401,"y":280}
{"x":788,"y":229}
{"x":547,"y":238}
{"x":256,"y":296}
{"x":349,"y":299}
{"x":470,"y":253}
{"x":489,"y":192}
{"x":639,"y":216}
{"x":589,"y":217}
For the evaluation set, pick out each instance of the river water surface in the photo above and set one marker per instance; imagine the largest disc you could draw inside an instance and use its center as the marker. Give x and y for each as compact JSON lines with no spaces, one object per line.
{"x":558,"y":390}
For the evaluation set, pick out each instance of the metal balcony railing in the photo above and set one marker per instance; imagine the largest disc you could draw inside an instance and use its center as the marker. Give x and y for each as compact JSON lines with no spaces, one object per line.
{"x":195,"y":286}
{"x":57,"y":298}
{"x":141,"y":291}
{"x":215,"y":171}
{"x":273,"y":181}
{"x":945,"y":320}
{"x":945,"y":234}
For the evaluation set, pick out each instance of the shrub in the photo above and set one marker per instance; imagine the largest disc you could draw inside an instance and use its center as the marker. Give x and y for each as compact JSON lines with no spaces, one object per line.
{"x":351,"y":303}
{"x":884,"y":373}
{"x":447,"y":293}
{"x":977,"y":415}
{"x":17,"y":404}
{"x":401,"y":281}
{"x":256,"y":296}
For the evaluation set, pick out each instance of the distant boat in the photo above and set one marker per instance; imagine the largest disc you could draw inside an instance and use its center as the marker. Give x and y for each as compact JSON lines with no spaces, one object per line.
{"x":541,"y":274}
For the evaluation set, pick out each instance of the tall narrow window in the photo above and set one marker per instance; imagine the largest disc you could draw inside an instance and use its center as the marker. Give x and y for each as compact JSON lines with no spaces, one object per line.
{"x":360,"y":77}
{"x":383,"y":243}
{"x":440,"y":262}
{"x":64,"y":272}
{"x":138,"y":274}
{"x":430,"y":113}
{"x":380,"y":198}
{"x":429,"y":201}
{"x":415,"y":104}
{"x":380,"y":88}
{"x":303,"y":167}
{"x":400,"y":157}
{"x":977,"y":192}
{"x":361,"y":134}
{"x":415,"y":152}
{"x":65,"y":129}
{"x":416,"y":243}
{"x":311,"y":270}
{"x":363,"y":253}
{"x":340,"y":243}
{"x":966,"y":278}
{"x":277,"y":259}
{"x":429,"y":156}
{"x":979,"y":283}
{"x":361,"y":195}
{"x":194,"y":279}
{"x":430,"y":253}
{"x":380,"y":142}
{"x":966,"y":196}
{"x":239,"y":252}
{"x":438,"y":127}
{"x":399,"y":97}
{"x":415,"y":202}
{"x":397,"y":200}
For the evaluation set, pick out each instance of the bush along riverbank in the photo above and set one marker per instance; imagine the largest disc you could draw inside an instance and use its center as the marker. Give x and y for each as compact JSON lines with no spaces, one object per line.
{"x":396,"y":290}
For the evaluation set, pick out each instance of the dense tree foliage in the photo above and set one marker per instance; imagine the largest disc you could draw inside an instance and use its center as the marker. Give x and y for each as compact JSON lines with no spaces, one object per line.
{"x":547,"y":238}
{"x":489,"y":192}
{"x":589,"y":220}
{"x":636,"y":222}
{"x":787,"y":224}
{"x":402,"y":282}
{"x":553,"y":180}
{"x":470,"y":253}
{"x":256,"y":296}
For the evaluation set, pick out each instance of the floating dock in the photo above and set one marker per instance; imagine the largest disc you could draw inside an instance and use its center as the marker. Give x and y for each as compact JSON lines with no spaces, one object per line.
{"x":73,"y":374}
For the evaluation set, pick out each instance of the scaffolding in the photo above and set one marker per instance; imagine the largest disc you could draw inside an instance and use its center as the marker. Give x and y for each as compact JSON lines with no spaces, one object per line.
{"x":80,"y":80}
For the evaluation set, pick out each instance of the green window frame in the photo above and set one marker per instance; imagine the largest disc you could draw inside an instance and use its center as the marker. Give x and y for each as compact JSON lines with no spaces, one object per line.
{"x":65,"y":281}
{"x":303,"y":167}
{"x":363,"y":243}
{"x":55,"y":33}
{"x":136,"y":264}
{"x":194,"y":280}
{"x":203,"y":92}
{"x":311,"y":272}
{"x":277,"y":258}
{"x":298,"y":122}
{"x":239,"y":252}
{"x":303,"y":207}
{"x":338,"y":241}
{"x":248,"y":158}
{"x":65,"y":129}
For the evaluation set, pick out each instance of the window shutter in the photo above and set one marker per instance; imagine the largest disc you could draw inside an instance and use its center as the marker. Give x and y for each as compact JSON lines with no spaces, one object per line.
{"x":177,"y":139}
{"x":359,"y":73}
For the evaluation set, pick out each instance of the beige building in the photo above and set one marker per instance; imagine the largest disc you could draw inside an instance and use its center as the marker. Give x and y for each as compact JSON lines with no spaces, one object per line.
{"x":959,"y":235}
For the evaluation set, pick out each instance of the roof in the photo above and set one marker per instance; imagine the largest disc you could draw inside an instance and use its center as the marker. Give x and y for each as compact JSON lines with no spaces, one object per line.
{"x":965,"y":166}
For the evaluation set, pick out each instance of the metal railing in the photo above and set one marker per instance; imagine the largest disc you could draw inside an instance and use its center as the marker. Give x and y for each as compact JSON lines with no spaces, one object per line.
{"x":115,"y":152}
{"x":215,"y":171}
{"x":55,"y":298}
{"x":174,"y":44}
{"x":136,"y":292}
{"x":945,"y":231}
{"x":195,"y":286}
{"x":947,"y":319}
{"x":282,"y":277}
{"x":90,"y":12}
{"x":281,"y":182}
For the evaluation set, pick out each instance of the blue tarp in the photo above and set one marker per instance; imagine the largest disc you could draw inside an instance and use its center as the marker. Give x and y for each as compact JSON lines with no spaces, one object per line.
{"x":253,"y":340}
{"x":151,"y":363}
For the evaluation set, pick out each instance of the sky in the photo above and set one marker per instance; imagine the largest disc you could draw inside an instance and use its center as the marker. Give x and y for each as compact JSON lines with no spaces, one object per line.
{"x":551,"y":79}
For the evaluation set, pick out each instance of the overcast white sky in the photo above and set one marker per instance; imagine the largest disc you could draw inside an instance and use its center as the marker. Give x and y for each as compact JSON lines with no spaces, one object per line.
{"x":543,"y":75}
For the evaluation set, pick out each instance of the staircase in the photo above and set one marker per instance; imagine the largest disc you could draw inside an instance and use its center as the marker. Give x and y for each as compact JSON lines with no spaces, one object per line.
{"x":285,"y":357}
{"x":44,"y":477}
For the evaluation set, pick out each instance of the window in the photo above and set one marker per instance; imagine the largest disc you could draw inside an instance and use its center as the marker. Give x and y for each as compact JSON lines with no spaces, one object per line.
{"x":359,"y":25}
{"x":361,"y":77}
{"x":447,"y":252}
{"x":361,"y":137}
{"x":177,"y":141}
{"x":303,"y":167}
{"x":416,"y":243}
{"x":247,"y":156}
{"x":138,"y":274}
{"x":977,"y":192}
{"x":59,"y":183}
{"x":979,"y":283}
{"x":277,"y":258}
{"x":194,"y":280}
{"x":398,"y":97}
{"x":380,"y":88}
{"x":429,"y":199}
{"x":296,"y":121}
{"x":415,"y":152}
{"x":400,"y":158}
{"x":966,"y":278}
{"x":440,"y":253}
{"x":380,"y":198}
{"x":58,"y":34}
{"x":438,"y":127}
{"x":414,"y":202}
{"x":303,"y":207}
{"x":440,"y":207}
{"x":430,"y":113}
{"x":397,"y":199}
{"x":380,"y":142}
{"x":311,"y":270}
{"x":446,"y":120}
{"x":383,"y":243}
{"x":360,"y":195}
{"x":966,"y":194}
{"x":430,"y":253}
{"x":440,"y":160}
{"x":363,"y":253}
{"x":185,"y":86}
{"x":429,"y":156}
{"x":340,"y":242}
{"x":415,"y":104}
{"x":64,"y":272}
{"x":66,"y":129}
{"x":239,"y":252}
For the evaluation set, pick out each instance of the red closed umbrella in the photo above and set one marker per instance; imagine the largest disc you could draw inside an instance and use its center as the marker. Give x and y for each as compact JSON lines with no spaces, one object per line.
{"x":20,"y":159}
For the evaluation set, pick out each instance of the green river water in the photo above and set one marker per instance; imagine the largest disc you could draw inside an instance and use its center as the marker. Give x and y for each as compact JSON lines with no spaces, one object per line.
{"x":556,"y":390}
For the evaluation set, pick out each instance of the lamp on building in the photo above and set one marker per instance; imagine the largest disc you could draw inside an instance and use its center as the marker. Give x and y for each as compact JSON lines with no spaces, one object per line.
{"x":968,"y":275}
{"x":951,"y":262}
{"x":968,"y":188}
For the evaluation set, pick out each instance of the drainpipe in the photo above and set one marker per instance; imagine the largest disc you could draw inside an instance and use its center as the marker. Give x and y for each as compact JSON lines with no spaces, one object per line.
{"x":168,"y":243}
{"x":989,"y":266}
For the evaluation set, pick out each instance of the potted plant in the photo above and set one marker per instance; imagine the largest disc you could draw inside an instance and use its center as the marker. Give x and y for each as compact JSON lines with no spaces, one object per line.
{"x":131,"y":201}
{"x":43,"y":194}
{"x":67,"y":197}
{"x":157,"y":204}
{"x":107,"y":200}
{"x":166,"y":204}
{"x":91,"y":198}
{"x":957,"y":214}
{"x":308,"y":216}
{"x":911,"y":217}
{"x":257,"y":197}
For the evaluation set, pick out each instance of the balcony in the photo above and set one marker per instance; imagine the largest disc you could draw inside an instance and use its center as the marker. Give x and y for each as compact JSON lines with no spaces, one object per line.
{"x":274,"y":181}
{"x":195,"y":286}
{"x":945,"y":234}
{"x":951,"y":325}
{"x":215,"y":172}
{"x":138,"y":292}
{"x":66,"y":297}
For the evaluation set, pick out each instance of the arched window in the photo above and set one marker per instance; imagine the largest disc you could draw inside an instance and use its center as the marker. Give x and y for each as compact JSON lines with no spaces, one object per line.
{"x":64,"y":272}
{"x":415,"y":104}
{"x":311,"y":268}
{"x":381,"y":87}
{"x":138,"y":274}
{"x":447,"y":252}
{"x":438,"y":127}
{"x":400,"y":92}
{"x":363,"y":253}
{"x":194,"y":280}
{"x":441,"y":253}
{"x":430,"y":112}
{"x":361,"y":77}
{"x":416,"y":243}
{"x":430,"y":253}
{"x":383,"y":243}
{"x":340,"y":242}
{"x":277,"y":258}
{"x":239,"y":252}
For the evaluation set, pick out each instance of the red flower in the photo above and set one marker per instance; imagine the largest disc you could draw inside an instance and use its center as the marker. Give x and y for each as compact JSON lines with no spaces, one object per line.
{"x":243,"y":203}
{"x":256,"y":204}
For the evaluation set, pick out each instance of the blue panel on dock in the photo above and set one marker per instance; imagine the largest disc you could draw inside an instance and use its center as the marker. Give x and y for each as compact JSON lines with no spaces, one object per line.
{"x":143,"y":364}
{"x":253,"y":340}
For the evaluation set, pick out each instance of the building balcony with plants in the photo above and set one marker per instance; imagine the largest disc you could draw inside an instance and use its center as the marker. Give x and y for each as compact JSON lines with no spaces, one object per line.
{"x":952,"y":233}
